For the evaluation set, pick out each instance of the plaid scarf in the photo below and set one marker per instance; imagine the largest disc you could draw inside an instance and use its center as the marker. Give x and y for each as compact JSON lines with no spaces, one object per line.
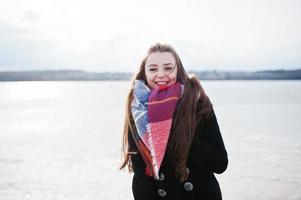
{"x":153,"y":111}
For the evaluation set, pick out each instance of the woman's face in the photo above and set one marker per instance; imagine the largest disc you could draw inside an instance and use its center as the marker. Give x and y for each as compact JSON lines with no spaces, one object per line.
{"x":160,"y":69}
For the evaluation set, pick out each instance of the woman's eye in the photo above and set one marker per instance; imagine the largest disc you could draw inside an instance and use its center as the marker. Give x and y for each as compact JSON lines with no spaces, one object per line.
{"x":152,"y":69}
{"x":168,"y":68}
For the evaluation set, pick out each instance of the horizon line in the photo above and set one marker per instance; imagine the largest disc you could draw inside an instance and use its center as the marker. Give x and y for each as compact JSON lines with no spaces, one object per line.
{"x":106,"y":71}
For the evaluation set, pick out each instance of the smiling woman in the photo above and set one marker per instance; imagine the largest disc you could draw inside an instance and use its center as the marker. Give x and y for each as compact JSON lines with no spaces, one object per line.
{"x":160,"y":69}
{"x":171,"y":137}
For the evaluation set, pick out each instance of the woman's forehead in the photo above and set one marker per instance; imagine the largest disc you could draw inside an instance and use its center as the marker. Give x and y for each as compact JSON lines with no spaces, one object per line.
{"x":160,"y":58}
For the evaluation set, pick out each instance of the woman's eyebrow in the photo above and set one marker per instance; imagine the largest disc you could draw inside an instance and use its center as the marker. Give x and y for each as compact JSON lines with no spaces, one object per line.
{"x":152,"y":65}
{"x":155,"y":65}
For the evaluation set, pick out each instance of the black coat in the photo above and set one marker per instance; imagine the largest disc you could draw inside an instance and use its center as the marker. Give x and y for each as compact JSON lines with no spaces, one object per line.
{"x":207,"y":156}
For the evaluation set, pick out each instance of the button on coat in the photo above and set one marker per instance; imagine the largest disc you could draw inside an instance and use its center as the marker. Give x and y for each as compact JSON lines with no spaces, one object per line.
{"x":188,"y":186}
{"x":162,"y":193}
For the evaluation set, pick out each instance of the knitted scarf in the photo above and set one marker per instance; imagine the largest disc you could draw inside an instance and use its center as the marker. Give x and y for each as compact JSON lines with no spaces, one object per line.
{"x":152,"y":111}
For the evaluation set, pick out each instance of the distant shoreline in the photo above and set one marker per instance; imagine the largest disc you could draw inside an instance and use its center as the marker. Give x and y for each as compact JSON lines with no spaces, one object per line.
{"x":79,"y":75}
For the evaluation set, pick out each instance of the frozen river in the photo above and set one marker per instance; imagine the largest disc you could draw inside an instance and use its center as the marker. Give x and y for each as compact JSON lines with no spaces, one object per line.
{"x":61,"y":140}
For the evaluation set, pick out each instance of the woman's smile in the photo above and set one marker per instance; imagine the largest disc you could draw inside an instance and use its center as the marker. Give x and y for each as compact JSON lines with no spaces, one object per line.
{"x":162,"y":82}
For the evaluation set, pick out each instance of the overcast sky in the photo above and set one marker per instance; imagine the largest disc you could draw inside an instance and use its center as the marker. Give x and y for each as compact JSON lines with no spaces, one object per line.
{"x":114,"y":35}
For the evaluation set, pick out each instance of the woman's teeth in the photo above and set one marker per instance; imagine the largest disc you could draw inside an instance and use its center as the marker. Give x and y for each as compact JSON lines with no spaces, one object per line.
{"x":161,"y":83}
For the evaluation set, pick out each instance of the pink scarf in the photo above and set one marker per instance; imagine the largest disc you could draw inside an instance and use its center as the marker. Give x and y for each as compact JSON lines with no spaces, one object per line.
{"x":153,"y":111}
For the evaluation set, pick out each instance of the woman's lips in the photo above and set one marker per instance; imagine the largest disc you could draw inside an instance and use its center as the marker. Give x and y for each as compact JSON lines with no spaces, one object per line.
{"x":162,"y":82}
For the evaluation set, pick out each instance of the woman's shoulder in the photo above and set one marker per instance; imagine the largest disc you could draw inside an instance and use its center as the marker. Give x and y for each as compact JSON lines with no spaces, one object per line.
{"x":204,"y":109}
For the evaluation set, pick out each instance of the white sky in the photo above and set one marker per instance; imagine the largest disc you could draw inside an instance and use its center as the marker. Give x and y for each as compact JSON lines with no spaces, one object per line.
{"x":114,"y":35}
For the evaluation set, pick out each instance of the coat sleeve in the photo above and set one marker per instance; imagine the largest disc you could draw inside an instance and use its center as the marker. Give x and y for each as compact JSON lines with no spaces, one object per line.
{"x":143,"y":186}
{"x":212,"y":154}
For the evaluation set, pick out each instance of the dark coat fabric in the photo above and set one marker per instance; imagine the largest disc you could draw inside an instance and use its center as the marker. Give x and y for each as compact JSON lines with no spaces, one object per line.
{"x":207,"y":156}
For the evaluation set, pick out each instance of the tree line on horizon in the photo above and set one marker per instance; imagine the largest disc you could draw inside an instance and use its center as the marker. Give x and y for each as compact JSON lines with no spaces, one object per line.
{"x":79,"y":75}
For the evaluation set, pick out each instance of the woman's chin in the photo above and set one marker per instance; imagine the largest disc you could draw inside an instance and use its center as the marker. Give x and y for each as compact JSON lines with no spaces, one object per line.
{"x":157,"y":86}
{"x":165,"y":86}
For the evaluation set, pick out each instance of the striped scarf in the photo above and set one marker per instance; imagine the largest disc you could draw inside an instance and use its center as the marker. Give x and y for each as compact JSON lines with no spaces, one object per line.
{"x":152,"y":111}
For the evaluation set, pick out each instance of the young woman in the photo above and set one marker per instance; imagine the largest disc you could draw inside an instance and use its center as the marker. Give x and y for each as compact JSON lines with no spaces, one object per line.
{"x":171,"y":137}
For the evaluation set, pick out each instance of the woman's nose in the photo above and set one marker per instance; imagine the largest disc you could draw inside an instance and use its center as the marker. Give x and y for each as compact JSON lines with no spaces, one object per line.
{"x":161,"y":73}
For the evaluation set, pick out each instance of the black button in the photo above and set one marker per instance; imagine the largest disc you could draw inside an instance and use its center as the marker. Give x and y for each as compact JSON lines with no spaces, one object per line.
{"x":188,"y":186}
{"x":187,"y":169}
{"x":161,"y":177}
{"x":162,"y":193}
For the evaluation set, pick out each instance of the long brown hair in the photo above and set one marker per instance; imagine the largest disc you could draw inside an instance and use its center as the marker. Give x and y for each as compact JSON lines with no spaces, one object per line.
{"x":192,"y":107}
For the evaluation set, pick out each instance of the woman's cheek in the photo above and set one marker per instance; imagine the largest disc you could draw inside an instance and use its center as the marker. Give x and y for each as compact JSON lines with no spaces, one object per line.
{"x":152,"y":84}
{"x":173,"y":81}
